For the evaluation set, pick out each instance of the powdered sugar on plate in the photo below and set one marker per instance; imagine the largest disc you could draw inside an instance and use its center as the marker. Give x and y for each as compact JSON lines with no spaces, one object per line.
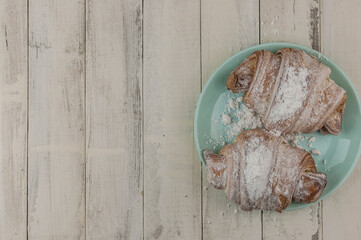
{"x":246,"y":118}
{"x":233,"y":104}
{"x":234,"y":118}
{"x":315,"y":152}
{"x":226,"y":119}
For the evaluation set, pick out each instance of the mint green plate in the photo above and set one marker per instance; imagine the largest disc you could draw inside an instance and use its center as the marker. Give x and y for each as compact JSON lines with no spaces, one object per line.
{"x":340,"y":152}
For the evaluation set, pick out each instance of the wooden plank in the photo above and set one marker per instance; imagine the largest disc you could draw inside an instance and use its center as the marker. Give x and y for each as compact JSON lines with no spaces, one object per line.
{"x":294,"y":21}
{"x":13,"y":119}
{"x":298,"y":22}
{"x":299,"y":224}
{"x":56,"y":186}
{"x":227,"y":27}
{"x":341,"y":36}
{"x":114,"y":120}
{"x":172,"y":170}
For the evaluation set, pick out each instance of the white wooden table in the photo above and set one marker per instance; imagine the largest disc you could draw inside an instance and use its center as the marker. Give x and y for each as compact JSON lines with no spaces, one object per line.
{"x":97,"y":100}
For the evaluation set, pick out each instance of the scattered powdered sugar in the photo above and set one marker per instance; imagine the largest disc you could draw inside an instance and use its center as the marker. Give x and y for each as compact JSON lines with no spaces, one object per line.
{"x":239,"y":99}
{"x":235,"y":118}
{"x":226,"y":119}
{"x":214,"y":142}
{"x":316,"y":152}
{"x":247,"y":119}
{"x":297,"y":138}
{"x":293,"y":137}
{"x":291,"y":94}
{"x":312,"y":139}
{"x":233,"y":104}
{"x":258,"y":161}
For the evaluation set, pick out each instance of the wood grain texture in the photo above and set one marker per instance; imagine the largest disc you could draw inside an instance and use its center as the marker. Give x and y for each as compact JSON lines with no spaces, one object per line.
{"x":172,"y":170}
{"x":341,"y":37}
{"x":13,"y":119}
{"x":294,"y":21}
{"x":88,"y":174}
{"x":227,"y":27}
{"x":56,"y":187}
{"x":114,"y":120}
{"x":297,"y":22}
{"x":298,"y":224}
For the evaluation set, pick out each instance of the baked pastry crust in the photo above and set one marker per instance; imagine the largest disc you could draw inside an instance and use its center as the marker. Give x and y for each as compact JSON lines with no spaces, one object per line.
{"x":276,"y":83}
{"x":260,"y":170}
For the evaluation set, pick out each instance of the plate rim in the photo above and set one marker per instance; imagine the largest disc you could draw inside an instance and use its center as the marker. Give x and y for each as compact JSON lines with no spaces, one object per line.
{"x":279,"y":44}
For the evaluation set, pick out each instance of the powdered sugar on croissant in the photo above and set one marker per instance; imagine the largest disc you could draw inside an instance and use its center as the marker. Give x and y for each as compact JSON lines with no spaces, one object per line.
{"x":262,"y":171}
{"x":291,"y":91}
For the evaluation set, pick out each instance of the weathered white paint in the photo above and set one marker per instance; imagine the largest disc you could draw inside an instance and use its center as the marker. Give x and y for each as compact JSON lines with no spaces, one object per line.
{"x":297,"y":22}
{"x":227,"y":27}
{"x":175,"y":44}
{"x":56,"y":187}
{"x":114,"y":120}
{"x":294,"y":21}
{"x":299,"y":224}
{"x":172,"y":171}
{"x":13,"y":119}
{"x":341,"y":37}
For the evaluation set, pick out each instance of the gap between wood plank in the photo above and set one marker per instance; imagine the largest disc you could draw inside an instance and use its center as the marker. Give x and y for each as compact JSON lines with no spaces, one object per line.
{"x":27,"y":121}
{"x":142,"y":124}
{"x":262,"y":225}
{"x":85,"y":122}
{"x":201,"y":88}
{"x":259,"y":21}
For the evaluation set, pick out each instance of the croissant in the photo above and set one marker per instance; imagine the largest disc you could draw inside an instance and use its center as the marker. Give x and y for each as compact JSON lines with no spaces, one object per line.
{"x":291,"y":91}
{"x":260,"y":170}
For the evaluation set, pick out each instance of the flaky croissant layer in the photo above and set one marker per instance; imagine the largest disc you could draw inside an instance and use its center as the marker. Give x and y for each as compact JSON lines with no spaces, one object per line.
{"x":260,"y":170}
{"x":291,"y":91}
